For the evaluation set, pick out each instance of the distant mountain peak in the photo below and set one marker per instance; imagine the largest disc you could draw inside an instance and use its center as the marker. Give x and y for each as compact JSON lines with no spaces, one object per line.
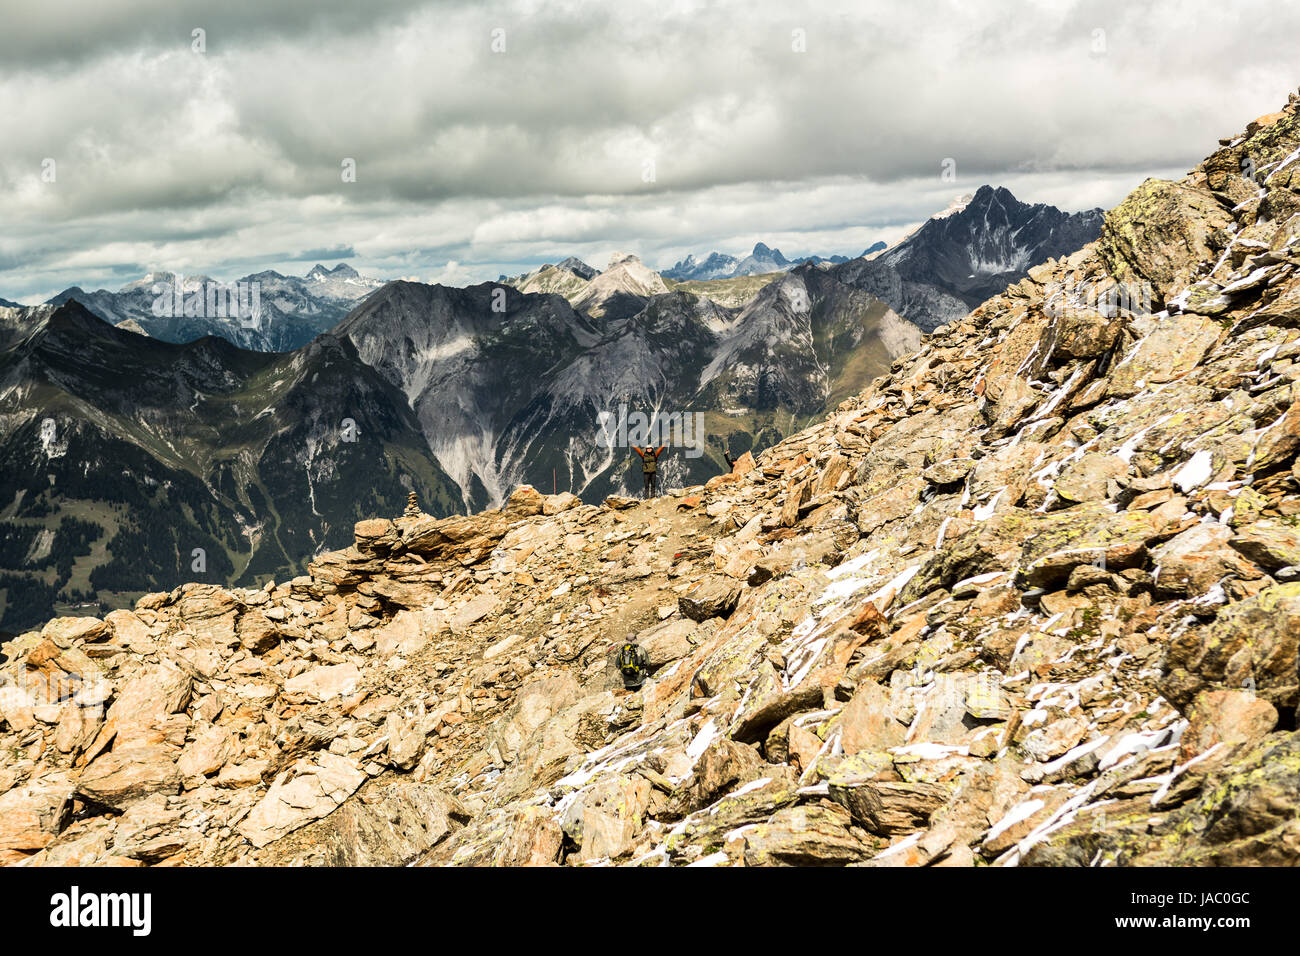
{"x":340,"y":271}
{"x":619,"y":258}
{"x":577,"y":267}
{"x":982,"y":242}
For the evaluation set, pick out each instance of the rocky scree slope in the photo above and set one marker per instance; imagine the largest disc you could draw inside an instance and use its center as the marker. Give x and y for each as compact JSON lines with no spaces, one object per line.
{"x":1031,"y":598}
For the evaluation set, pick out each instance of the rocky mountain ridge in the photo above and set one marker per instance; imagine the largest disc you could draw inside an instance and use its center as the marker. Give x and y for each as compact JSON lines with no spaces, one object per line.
{"x":1029,"y":599}
{"x":762,"y":259}
{"x":513,"y":395}
{"x":973,"y":249}
{"x":290,"y":310}
{"x":976,"y":248}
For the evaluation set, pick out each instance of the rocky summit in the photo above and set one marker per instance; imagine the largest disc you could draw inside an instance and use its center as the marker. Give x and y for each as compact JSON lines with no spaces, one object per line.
{"x":1032,"y":598}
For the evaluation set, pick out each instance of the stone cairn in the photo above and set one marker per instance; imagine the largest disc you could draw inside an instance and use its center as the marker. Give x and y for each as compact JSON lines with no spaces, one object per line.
{"x":412,"y":506}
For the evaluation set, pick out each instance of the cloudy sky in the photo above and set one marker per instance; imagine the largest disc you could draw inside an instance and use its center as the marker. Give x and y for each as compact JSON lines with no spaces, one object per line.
{"x":491,"y":137}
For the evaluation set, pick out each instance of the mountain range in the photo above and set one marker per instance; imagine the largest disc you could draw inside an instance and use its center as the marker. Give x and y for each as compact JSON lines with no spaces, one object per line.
{"x":763,"y":259}
{"x":292,"y":310}
{"x":979,"y":249}
{"x":123,"y":453}
{"x":975,"y":247}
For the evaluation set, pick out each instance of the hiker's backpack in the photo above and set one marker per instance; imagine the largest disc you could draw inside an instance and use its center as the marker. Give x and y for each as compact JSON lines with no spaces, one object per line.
{"x":648,"y":462}
{"x":633,"y":664}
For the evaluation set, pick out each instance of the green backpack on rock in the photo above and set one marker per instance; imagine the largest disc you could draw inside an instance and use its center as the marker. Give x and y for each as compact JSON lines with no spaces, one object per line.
{"x":633,"y":664}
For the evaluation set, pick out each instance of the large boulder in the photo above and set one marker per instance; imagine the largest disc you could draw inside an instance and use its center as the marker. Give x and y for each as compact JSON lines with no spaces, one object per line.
{"x":1279,"y":442}
{"x":1270,"y":544}
{"x":886,"y":807}
{"x":1251,"y":645}
{"x":375,"y":535}
{"x":1194,"y":561}
{"x":463,"y":539}
{"x":713,"y":596}
{"x":670,"y":641}
{"x":1161,"y":233}
{"x":312,"y":789}
{"x":1088,"y":478}
{"x":1169,"y":349}
{"x":1228,"y":717}
{"x":64,"y":631}
{"x":1083,"y":535}
{"x":32,"y":815}
{"x":390,"y":827}
{"x":115,"y":780}
{"x":604,"y":819}
{"x":524,"y":502}
{"x":869,"y":723}
{"x":326,"y":682}
{"x":145,"y":701}
{"x":807,"y":835}
{"x":211,"y":749}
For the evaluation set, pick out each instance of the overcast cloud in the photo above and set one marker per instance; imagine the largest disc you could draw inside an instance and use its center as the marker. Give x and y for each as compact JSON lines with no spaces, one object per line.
{"x":472,"y":162}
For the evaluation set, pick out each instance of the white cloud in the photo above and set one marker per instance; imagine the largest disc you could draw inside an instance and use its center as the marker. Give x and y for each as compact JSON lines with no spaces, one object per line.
{"x":230,"y":159}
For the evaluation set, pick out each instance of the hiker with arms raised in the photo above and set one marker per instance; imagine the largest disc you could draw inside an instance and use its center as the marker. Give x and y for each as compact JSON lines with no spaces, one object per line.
{"x":650,"y":468}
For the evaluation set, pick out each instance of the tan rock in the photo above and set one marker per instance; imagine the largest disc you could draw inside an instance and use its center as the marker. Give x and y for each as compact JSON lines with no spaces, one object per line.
{"x":390,"y":828}
{"x":806,"y":835}
{"x":524,"y":502}
{"x":246,"y":774}
{"x":560,"y":503}
{"x":378,"y":535}
{"x":325,"y":683}
{"x":115,"y":780}
{"x":65,"y":631}
{"x":32,"y":815}
{"x":212,"y":747}
{"x":313,"y":789}
{"x":712,"y":596}
{"x":535,"y":839}
{"x":867,"y":722}
{"x":1171,"y":348}
{"x":144,"y":702}
{"x":1193,"y":562}
{"x":1087,"y":478}
{"x":1270,"y":544}
{"x":1229,"y":717}
{"x":129,"y":631}
{"x":405,"y":634}
{"x":605,"y":819}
